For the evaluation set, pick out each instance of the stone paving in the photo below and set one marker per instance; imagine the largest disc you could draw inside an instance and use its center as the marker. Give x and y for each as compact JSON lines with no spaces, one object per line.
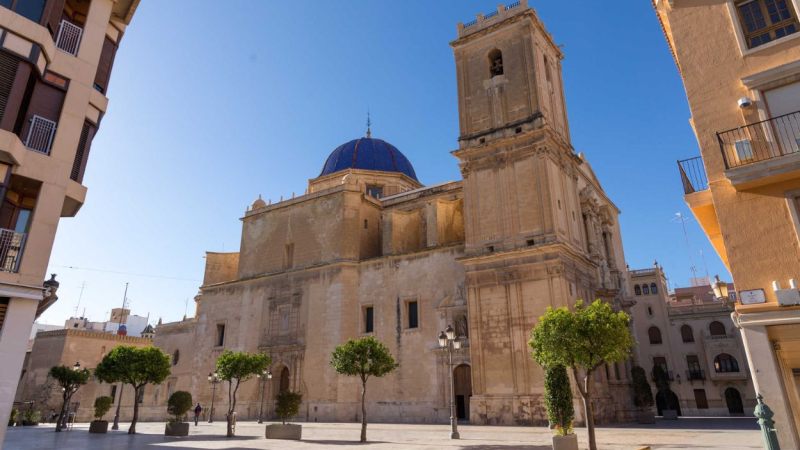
{"x":686,"y":433}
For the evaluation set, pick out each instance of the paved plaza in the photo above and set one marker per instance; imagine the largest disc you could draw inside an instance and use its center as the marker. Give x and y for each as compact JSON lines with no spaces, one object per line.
{"x":686,"y":433}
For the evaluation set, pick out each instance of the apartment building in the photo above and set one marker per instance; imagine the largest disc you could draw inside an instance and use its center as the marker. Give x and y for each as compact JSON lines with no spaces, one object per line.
{"x":56,"y":58}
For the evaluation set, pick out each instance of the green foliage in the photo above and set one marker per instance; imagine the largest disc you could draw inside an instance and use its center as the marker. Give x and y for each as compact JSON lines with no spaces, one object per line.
{"x":101,"y":406}
{"x":642,"y":394}
{"x":179,"y":403}
{"x":288,"y":405}
{"x":68,"y":378}
{"x":13,"y":418}
{"x":363,"y":357}
{"x":558,"y":399}
{"x":134,"y":366}
{"x":241,"y":366}
{"x":582,"y":339}
{"x":32,"y":416}
{"x":662,"y":379}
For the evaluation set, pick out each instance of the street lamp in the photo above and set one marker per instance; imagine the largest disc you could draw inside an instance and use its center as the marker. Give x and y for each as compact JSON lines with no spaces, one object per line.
{"x":449,"y":342}
{"x":76,"y":367}
{"x":264,"y":379}
{"x":119,"y":403}
{"x":721,"y":291}
{"x":213,"y":378}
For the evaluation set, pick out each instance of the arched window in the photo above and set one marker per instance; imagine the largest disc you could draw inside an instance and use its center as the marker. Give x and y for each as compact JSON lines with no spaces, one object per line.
{"x":653,"y":288}
{"x":726,"y":363}
{"x":655,"y":335}
{"x":716,"y":329}
{"x":175,"y":357}
{"x":686,"y":333}
{"x":645,"y":289}
{"x":637,"y":290}
{"x":495,"y":62}
{"x":284,"y":383}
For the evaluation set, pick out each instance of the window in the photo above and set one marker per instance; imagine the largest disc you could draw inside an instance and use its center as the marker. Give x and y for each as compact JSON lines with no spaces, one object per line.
{"x":175,"y":357}
{"x":653,"y":288}
{"x":113,"y":394}
{"x":686,"y":333}
{"x":716,"y":329}
{"x":637,"y":290}
{"x":369,"y":319}
{"x":105,"y":65}
{"x":375,"y":191}
{"x":288,"y":256}
{"x":548,"y":76}
{"x":220,"y":339}
{"x":661,"y":361}
{"x":645,"y":289}
{"x":413,"y":314}
{"x":495,"y":63}
{"x":655,"y":335}
{"x":285,"y":317}
{"x":29,"y":9}
{"x":82,"y":153}
{"x":650,"y":311}
{"x":693,"y":362}
{"x":766,"y":20}
{"x":700,"y":398}
{"x":366,"y":224}
{"x":725,"y":363}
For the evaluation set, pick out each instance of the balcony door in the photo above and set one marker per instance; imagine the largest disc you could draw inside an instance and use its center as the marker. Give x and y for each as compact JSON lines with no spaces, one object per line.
{"x":783,"y":104}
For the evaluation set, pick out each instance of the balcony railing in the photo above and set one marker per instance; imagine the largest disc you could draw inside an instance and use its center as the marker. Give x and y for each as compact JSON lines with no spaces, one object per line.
{"x":670,"y":375}
{"x":760,"y":141}
{"x":40,"y":135}
{"x":69,"y":37}
{"x":693,"y":175}
{"x":11,"y":246}
{"x":695,"y":374}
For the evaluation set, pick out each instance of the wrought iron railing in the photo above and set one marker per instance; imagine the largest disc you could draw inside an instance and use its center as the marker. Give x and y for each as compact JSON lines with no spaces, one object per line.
{"x":695,"y":374}
{"x":69,"y":37}
{"x":693,"y":175}
{"x":760,"y":141}
{"x":512,"y":5}
{"x":490,"y":15}
{"x":40,"y":134}
{"x":670,"y":375}
{"x":11,"y":246}
{"x":471,"y":23}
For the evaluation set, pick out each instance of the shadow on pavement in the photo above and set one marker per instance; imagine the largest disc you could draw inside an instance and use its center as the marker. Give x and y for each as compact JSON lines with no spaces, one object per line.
{"x":710,"y":424}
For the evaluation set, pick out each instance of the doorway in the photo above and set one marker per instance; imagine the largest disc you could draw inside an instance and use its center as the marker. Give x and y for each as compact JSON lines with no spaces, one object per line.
{"x":284,"y":383}
{"x":734,"y":401}
{"x":668,"y":401}
{"x":463,"y":391}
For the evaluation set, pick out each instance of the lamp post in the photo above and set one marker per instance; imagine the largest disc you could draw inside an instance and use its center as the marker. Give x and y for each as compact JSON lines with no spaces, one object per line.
{"x":721,"y":291}
{"x":119,"y":402}
{"x":449,"y":342}
{"x":213,"y":378}
{"x":268,"y":376}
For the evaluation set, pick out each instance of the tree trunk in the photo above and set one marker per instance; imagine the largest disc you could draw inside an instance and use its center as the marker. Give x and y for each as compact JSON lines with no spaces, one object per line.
{"x":132,"y":429}
{"x":363,"y":411}
{"x":61,"y":416}
{"x":586,"y":393}
{"x":231,"y":406}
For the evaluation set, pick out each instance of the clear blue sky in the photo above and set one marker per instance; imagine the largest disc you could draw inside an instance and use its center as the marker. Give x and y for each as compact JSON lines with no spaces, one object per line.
{"x":213,"y":104}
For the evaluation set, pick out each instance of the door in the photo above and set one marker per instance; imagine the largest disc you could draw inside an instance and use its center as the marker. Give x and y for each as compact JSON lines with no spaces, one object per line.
{"x":463,"y":390}
{"x":734,"y":401}
{"x":782,"y":103}
{"x":700,"y":398}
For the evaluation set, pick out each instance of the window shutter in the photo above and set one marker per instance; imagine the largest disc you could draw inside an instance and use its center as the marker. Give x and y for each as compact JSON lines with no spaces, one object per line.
{"x":3,"y":310}
{"x":105,"y":64}
{"x":6,"y":214}
{"x":8,"y":70}
{"x":82,"y":153}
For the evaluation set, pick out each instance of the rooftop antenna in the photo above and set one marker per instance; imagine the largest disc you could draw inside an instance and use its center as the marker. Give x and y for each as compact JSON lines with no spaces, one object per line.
{"x":369,"y":124}
{"x":704,"y":262}
{"x":683,"y":220}
{"x":83,"y":285}
{"x":185,"y":306}
{"x":124,"y":301}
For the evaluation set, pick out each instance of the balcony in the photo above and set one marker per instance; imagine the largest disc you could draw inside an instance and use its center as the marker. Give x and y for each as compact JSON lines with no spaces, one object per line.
{"x":760,"y":141}
{"x":68,"y":37}
{"x":695,"y":374}
{"x":693,"y":175}
{"x":11,"y":246}
{"x":40,"y":135}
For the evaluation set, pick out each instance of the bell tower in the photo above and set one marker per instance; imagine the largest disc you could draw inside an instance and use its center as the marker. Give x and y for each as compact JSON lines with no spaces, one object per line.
{"x":526,"y":238}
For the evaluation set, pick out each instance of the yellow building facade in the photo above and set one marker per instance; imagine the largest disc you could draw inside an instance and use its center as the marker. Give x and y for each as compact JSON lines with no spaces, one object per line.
{"x":56,"y":58}
{"x":740,"y":64}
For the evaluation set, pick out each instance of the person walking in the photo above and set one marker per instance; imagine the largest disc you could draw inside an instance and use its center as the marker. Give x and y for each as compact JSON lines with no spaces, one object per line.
{"x":197,"y":410}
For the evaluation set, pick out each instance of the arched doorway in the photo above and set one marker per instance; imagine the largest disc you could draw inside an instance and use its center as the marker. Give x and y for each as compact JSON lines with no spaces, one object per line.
{"x":284,"y":380}
{"x":734,"y":401}
{"x":463,"y":388}
{"x":670,"y":401}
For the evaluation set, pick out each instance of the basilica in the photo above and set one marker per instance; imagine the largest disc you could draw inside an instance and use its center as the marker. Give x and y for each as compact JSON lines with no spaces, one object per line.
{"x":371,"y":251}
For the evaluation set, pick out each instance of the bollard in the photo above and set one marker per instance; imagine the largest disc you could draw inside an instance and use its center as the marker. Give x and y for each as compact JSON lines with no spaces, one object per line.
{"x":764,"y":415}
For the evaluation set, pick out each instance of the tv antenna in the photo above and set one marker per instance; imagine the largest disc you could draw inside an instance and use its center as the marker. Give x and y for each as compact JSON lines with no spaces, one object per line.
{"x":679,"y":218}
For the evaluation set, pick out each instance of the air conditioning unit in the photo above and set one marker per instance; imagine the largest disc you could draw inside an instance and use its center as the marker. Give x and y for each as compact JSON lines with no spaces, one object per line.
{"x":744,"y":151}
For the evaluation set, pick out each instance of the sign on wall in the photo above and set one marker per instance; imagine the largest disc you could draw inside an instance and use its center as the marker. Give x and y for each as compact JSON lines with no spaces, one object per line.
{"x":752,"y":297}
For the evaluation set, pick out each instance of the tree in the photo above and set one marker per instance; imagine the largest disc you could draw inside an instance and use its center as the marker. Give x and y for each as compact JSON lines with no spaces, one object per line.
{"x":101,"y":406}
{"x":642,"y":393}
{"x":235,"y":368}
{"x":135,"y":366}
{"x":662,"y":384}
{"x":364,"y":357}
{"x":558,"y":399}
{"x":582,"y":340}
{"x":179,"y":403}
{"x":70,"y":381}
{"x":287,"y":405}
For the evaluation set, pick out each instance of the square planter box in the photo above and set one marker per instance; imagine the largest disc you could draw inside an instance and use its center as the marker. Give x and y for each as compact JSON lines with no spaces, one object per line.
{"x":670,"y":414}
{"x":98,"y":426}
{"x":568,"y":442}
{"x":647,"y":417}
{"x":279,"y":431}
{"x":177,"y":429}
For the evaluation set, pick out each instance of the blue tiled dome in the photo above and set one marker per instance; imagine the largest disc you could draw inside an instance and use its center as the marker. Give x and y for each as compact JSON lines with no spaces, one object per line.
{"x":368,"y":154}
